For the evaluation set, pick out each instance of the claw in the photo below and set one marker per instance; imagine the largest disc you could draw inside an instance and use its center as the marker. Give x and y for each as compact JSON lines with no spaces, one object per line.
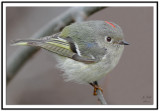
{"x":95,"y":90}
{"x":96,"y":87}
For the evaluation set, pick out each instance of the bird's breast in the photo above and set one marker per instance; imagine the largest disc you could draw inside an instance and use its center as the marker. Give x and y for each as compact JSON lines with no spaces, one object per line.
{"x":85,"y":73}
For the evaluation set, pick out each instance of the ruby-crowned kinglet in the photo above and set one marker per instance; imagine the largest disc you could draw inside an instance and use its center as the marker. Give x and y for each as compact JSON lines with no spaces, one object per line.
{"x":86,"y":51}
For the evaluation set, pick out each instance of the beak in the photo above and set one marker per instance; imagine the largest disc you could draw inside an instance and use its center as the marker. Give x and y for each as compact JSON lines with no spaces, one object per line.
{"x":123,"y":42}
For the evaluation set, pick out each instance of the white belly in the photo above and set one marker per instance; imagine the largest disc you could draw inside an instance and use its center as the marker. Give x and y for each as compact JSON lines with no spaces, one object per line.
{"x":85,"y":73}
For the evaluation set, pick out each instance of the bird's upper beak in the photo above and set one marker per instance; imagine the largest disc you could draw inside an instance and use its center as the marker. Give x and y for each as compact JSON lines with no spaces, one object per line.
{"x":123,"y":42}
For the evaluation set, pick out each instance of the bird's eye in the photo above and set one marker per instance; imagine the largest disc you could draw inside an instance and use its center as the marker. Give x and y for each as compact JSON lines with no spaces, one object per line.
{"x":108,"y":39}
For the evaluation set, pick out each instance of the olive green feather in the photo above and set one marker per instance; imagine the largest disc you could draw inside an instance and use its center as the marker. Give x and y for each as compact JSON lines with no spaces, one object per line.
{"x":50,"y":43}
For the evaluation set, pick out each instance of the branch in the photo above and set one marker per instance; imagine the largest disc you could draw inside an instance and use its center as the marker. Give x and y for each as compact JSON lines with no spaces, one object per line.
{"x":101,"y":97}
{"x":19,"y":58}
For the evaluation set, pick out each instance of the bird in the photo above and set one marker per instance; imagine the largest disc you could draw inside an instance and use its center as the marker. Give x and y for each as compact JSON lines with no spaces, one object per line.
{"x":86,"y":51}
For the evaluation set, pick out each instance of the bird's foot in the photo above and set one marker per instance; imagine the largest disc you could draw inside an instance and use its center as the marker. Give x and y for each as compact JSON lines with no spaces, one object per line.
{"x":95,"y":90}
{"x":96,"y":87}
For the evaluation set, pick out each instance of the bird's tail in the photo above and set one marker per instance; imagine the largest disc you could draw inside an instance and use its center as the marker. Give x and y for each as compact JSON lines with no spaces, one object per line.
{"x":27,"y":42}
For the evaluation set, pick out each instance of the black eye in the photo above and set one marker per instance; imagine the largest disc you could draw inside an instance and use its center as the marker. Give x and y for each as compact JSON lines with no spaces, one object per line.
{"x":108,"y":39}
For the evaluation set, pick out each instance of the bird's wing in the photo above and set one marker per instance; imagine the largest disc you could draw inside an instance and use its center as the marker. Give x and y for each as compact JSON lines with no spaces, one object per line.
{"x":57,"y":45}
{"x":77,"y":48}
{"x":66,"y":47}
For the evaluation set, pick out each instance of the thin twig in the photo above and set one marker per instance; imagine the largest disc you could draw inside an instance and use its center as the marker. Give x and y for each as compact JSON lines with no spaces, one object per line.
{"x":101,"y":97}
{"x":19,"y":58}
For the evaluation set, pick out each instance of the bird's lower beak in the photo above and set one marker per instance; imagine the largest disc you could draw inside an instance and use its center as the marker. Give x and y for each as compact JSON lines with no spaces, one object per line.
{"x":123,"y":43}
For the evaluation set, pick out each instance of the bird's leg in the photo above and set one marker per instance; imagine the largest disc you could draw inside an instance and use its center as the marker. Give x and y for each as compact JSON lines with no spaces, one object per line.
{"x":96,"y":87}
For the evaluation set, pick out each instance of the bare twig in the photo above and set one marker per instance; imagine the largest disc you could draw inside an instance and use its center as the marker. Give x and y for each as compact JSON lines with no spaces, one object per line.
{"x":100,"y":97}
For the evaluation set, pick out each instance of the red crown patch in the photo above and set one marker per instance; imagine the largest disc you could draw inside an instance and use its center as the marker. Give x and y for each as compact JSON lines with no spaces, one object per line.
{"x":110,"y":24}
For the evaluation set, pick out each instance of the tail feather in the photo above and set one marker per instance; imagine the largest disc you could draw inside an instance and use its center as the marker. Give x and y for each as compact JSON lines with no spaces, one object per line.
{"x":27,"y":42}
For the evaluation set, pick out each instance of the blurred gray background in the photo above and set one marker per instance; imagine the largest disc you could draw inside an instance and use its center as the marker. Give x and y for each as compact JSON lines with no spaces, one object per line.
{"x":40,"y":82}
